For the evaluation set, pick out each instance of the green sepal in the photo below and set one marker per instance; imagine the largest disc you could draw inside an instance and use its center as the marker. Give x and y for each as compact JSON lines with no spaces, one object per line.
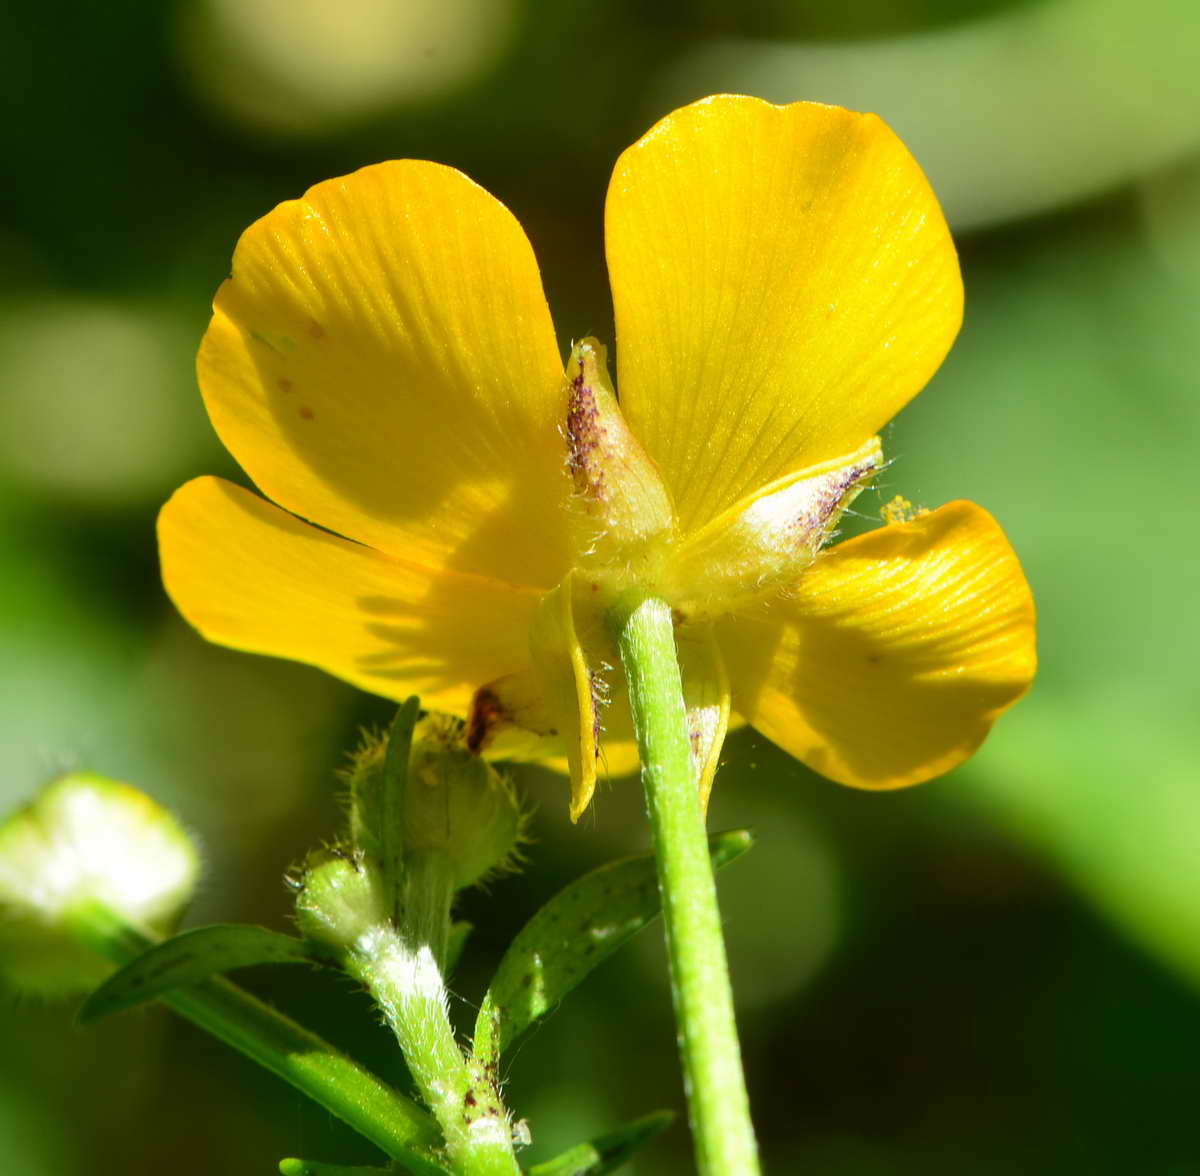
{"x":605,"y":1153}
{"x":576,"y":930}
{"x":190,"y":957}
{"x":294,"y":1167}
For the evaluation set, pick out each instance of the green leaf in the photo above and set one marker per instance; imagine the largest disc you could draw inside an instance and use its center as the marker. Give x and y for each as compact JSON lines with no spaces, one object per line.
{"x":576,"y":930}
{"x":605,"y":1153}
{"x":189,"y":958}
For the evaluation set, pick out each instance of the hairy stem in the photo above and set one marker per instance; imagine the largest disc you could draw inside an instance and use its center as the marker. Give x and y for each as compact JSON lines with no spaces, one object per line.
{"x":403,"y":976}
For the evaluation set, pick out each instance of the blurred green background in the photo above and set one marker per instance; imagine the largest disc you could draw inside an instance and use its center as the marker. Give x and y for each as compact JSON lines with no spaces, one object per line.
{"x":996,"y":972}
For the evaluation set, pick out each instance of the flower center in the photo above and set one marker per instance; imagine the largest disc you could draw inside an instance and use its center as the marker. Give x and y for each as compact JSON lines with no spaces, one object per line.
{"x":626,"y":534}
{"x":627,"y":541}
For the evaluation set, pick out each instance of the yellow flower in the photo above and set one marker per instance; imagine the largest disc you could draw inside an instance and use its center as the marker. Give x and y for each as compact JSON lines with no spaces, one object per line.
{"x":383,"y":363}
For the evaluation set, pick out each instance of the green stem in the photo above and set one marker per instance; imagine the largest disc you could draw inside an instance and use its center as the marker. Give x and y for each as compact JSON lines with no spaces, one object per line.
{"x":406,"y":982}
{"x":393,"y":1123}
{"x":717,"y":1102}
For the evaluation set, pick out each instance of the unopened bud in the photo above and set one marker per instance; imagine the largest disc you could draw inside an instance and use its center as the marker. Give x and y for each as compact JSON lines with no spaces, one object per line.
{"x":456,"y":803}
{"x":85,"y":840}
{"x":453,"y":802}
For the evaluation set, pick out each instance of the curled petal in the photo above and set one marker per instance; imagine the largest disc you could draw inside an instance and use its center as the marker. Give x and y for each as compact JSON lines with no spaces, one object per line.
{"x":784,"y":282}
{"x":571,"y":701}
{"x":573,"y":685}
{"x":896,"y":653}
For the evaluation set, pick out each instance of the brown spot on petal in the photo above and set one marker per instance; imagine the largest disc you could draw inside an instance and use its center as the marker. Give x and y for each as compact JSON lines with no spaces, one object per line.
{"x":305,"y":412}
{"x":314,"y":330}
{"x":285,"y":385}
{"x":487,"y":713}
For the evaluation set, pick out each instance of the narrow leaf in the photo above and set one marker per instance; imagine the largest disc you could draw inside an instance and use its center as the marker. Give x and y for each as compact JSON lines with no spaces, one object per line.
{"x":395,"y":782}
{"x":606,"y":1153}
{"x":576,"y":930}
{"x":189,"y":958}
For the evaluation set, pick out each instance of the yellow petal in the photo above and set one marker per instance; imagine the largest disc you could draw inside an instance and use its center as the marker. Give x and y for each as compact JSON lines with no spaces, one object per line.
{"x":250,"y":576}
{"x":512,"y":719}
{"x":382,"y":362}
{"x":896,"y":653}
{"x":784,"y":282}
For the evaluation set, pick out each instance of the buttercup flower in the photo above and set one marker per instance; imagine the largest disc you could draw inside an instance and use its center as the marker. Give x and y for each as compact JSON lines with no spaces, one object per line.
{"x":383,"y":365}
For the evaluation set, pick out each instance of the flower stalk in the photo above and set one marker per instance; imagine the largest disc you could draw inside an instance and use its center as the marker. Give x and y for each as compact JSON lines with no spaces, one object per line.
{"x":717,"y":1102}
{"x":343,"y":903}
{"x":406,"y":983}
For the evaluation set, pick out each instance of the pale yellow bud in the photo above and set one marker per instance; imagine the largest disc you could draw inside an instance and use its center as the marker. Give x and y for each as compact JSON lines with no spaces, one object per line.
{"x":85,"y":839}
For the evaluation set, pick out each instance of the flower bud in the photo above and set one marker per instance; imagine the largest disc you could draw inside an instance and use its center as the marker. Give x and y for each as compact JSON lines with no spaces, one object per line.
{"x":83,"y":840}
{"x":460,"y":805}
{"x":453,"y":802}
